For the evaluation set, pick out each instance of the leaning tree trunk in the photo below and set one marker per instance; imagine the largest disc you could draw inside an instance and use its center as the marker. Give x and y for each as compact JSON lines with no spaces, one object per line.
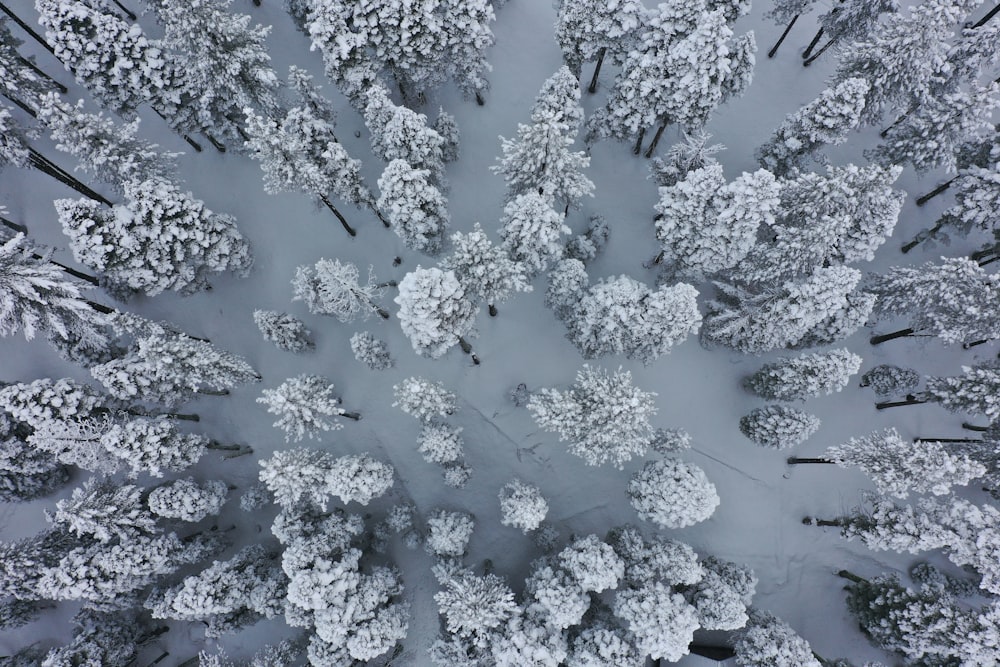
{"x":809,"y":61}
{"x":936,"y":191}
{"x":46,"y":166}
{"x":972,"y":427}
{"x":795,"y":460}
{"x":22,"y":106}
{"x":812,"y":521}
{"x":333,"y":209}
{"x":923,"y":236}
{"x":906,"y":114}
{"x":975,"y":343}
{"x":37,"y":70}
{"x":990,"y":14}
{"x":13,"y":225}
{"x":194,"y":144}
{"x":219,"y":146}
{"x":853,"y":577}
{"x":163,"y":656}
{"x":902,"y":333}
{"x":788,"y":29}
{"x":987,"y":255}
{"x":947,"y":440}
{"x":910,"y":400}
{"x":131,"y":15}
{"x":592,"y":88}
{"x":27,"y":28}
{"x":812,"y":44}
{"x":356,"y":416}
{"x":656,"y":139}
{"x":638,"y":142}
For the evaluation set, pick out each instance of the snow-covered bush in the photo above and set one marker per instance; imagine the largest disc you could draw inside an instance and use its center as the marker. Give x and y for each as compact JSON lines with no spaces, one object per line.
{"x":456,"y":475}
{"x":672,"y":493}
{"x":187,"y":500}
{"x":593,"y":563}
{"x":522,"y":506}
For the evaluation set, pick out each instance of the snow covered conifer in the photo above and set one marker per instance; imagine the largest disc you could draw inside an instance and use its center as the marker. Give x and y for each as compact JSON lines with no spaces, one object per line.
{"x":601,"y":644}
{"x":662,"y":621}
{"x":485,"y":270}
{"x":427,"y":401}
{"x":553,"y":595}
{"x":105,"y":510}
{"x":434,"y":311}
{"x":778,"y":426}
{"x":590,"y":31}
{"x":332,"y":288}
{"x":684,"y":157}
{"x":306,"y":406}
{"x":720,"y":606}
{"x":417,"y":210}
{"x":531,"y":231}
{"x":522,"y":506}
{"x":456,"y":475}
{"x":672,"y":493}
{"x":153,"y":445}
{"x":467,"y":35}
{"x":19,"y":81}
{"x":448,"y":532}
{"x":107,"y":638}
{"x":475,"y":606}
{"x":767,"y":641}
{"x":623,"y":316}
{"x":592,"y":563}
{"x":605,"y":418}
{"x":446,"y":126}
{"x":371,"y":351}
{"x":707,"y":225}
{"x":567,"y":283}
{"x":297,"y":474}
{"x":26,"y":473}
{"x":187,"y":500}
{"x":827,"y":120}
{"x":899,"y":466}
{"x":359,"y":478}
{"x":399,"y":133}
{"x":286,"y":332}
{"x":440,"y":443}
{"x":973,"y":392}
{"x":805,"y":376}
{"x":887,"y":380}
{"x":145,"y":246}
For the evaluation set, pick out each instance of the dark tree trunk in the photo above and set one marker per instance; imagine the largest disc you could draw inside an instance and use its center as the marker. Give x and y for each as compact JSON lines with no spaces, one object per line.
{"x":795,"y":460}
{"x":256,"y":3}
{"x":125,"y":9}
{"x":985,"y":262}
{"x":37,"y":70}
{"x":93,"y":280}
{"x":910,"y":400}
{"x":902,"y":333}
{"x":194,"y":144}
{"x":13,"y":225}
{"x":947,"y":440}
{"x":638,"y":142}
{"x":343,"y":220}
{"x":884,"y":133}
{"x":356,"y":416}
{"x":188,"y":417}
{"x":656,"y":139}
{"x":812,"y":44}
{"x":384,"y":314}
{"x":100,"y":307}
{"x":493,"y":310}
{"x":219,"y":146}
{"x":378,"y":214}
{"x":659,"y":257}
{"x":853,"y":577}
{"x":464,"y":344}
{"x":811,"y":521}
{"x":162,"y":657}
{"x":22,"y":106}
{"x":990,"y":14}
{"x":479,"y":98}
{"x":788,"y":29}
{"x":212,"y":392}
{"x":809,"y":61}
{"x":922,"y":236}
{"x":151,"y":635}
{"x":966,"y":346}
{"x":972,"y":427}
{"x":935,"y":192}
{"x":27,"y":28}
{"x":44,"y":165}
{"x":592,"y":88}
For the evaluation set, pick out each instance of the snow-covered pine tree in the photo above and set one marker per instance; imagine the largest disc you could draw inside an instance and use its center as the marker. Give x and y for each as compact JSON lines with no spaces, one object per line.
{"x":684,"y":157}
{"x":977,"y":200}
{"x":427,"y":401}
{"x":371,"y":351}
{"x":286,"y":332}
{"x":332,"y":288}
{"x":623,"y":316}
{"x":456,"y":475}
{"x":531,"y":230}
{"x":306,"y":406}
{"x":108,"y":150}
{"x":662,"y":621}
{"x":849,"y":21}
{"x":951,"y":300}
{"x":447,"y":127}
{"x":448,"y":533}
{"x":312,"y":474}
{"x":398,"y":133}
{"x":706,"y":225}
{"x":605,"y":418}
{"x":345,"y":59}
{"x":777,"y":316}
{"x":721,"y":602}
{"x":827,"y":120}
{"x":26,"y":473}
{"x":109,"y":56}
{"x":475,"y":607}
{"x":107,"y":638}
{"x":467,"y":35}
{"x":567,"y":283}
{"x":484,"y":270}
{"x":553,"y":596}
{"x":153,"y":445}
{"x":973,"y":392}
{"x":20,"y":79}
{"x":105,"y":510}
{"x":767,"y":641}
{"x":416,"y":209}
{"x":36,"y":296}
{"x":434,"y":311}
{"x":440,"y":443}
{"x":778,"y":426}
{"x":188,"y":500}
{"x":672,"y":493}
{"x":805,"y":376}
{"x":888,"y":380}
{"x":220,"y":65}
{"x":170,"y":369}
{"x":522,"y":506}
{"x":898,"y":466}
{"x":591,"y":31}
{"x":602,"y":643}
{"x":145,"y":246}
{"x":540,"y":159}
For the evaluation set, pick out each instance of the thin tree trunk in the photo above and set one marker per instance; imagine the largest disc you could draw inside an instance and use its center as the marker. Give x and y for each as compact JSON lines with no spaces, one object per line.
{"x":256,"y":3}
{"x":194,"y":144}
{"x":638,"y":142}
{"x":212,"y":392}
{"x":592,"y":88}
{"x":388,"y":283}
{"x":343,"y":221}
{"x":93,"y":280}
{"x":493,"y":310}
{"x":853,"y":577}
{"x":966,"y":346}
{"x":219,"y":146}
{"x":902,"y":333}
{"x":884,"y":133}
{"x":188,"y":417}
{"x":947,"y":440}
{"x":990,"y":14}
{"x":13,"y":225}
{"x":100,"y":307}
{"x":42,"y":164}
{"x":922,"y":236}
{"x":659,"y":257}
{"x":219,"y":447}
{"x":22,"y":106}
{"x":162,"y":657}
{"x":190,"y":662}
{"x":479,"y":98}
{"x":989,"y":261}
{"x":809,"y":61}
{"x":788,"y":29}
{"x":356,"y":416}
{"x":936,"y":191}
{"x":910,"y":400}
{"x":656,"y":139}
{"x":27,"y":28}
{"x":795,"y":460}
{"x":384,"y":314}
{"x":378,"y":214}
{"x":811,"y":521}
{"x":245,"y":452}
{"x":812,"y":44}
{"x":972,"y":427}
{"x":153,"y":634}
{"x":125,"y":9}
{"x":464,"y":344}
{"x":34,"y":68}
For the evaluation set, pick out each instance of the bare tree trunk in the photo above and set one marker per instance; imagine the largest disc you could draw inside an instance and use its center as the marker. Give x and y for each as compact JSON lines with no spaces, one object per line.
{"x":966,"y":346}
{"x":212,"y":392}
{"x":479,"y":98}
{"x":935,"y":192}
{"x":384,"y":314}
{"x":809,"y":61}
{"x":884,"y":133}
{"x":990,"y":14}
{"x":947,"y":440}
{"x":638,"y":142}
{"x":162,"y":657}
{"x":219,"y":146}
{"x":972,"y":427}
{"x":378,"y":214}
{"x":27,"y":28}
{"x":22,"y":106}
{"x":788,"y":29}
{"x":853,"y":577}
{"x":93,"y":280}
{"x":37,"y":70}
{"x":592,"y":88}
{"x":343,"y":220}
{"x":656,"y":139}
{"x":922,"y":236}
{"x":194,"y":144}
{"x":902,"y":333}
{"x":46,"y":166}
{"x":812,"y":44}
{"x":100,"y":307}
{"x":125,"y":9}
{"x":811,"y":521}
{"x":910,"y":400}
{"x":13,"y":225}
{"x":795,"y":460}
{"x":356,"y":416}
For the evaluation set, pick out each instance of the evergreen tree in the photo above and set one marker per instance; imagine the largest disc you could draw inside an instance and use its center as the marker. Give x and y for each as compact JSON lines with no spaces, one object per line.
{"x":484,"y":270}
{"x":707,"y":225}
{"x":105,"y":510}
{"x":398,"y":133}
{"x":433,"y":310}
{"x":446,"y":126}
{"x":623,"y":316}
{"x":145,"y":246}
{"x":767,"y":641}
{"x":849,"y":21}
{"x":112,"y":639}
{"x":286,"y":332}
{"x":662,"y":621}
{"x":827,"y":120}
{"x":522,"y":506}
{"x":601,"y":644}
{"x":474,"y":606}
{"x":314,"y":475}
{"x":592,"y":563}
{"x":26,"y":473}
{"x":153,"y":445}
{"x":805,"y":376}
{"x":587,"y":31}
{"x":567,"y":283}
{"x":604,"y":417}
{"x":371,"y":351}
{"x":448,"y":533}
{"x":427,"y":401}
{"x":417,"y":210}
{"x":530,"y":229}
{"x":467,"y":35}
{"x":345,"y":59}
{"x":305,"y":406}
{"x":672,"y":493}
{"x":187,"y":500}
{"x":440,"y":443}
{"x":684,"y":157}
{"x":888,"y":380}
{"x":20,"y":79}
{"x":778,"y":426}
{"x":973,"y":392}
{"x":332,"y":288}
